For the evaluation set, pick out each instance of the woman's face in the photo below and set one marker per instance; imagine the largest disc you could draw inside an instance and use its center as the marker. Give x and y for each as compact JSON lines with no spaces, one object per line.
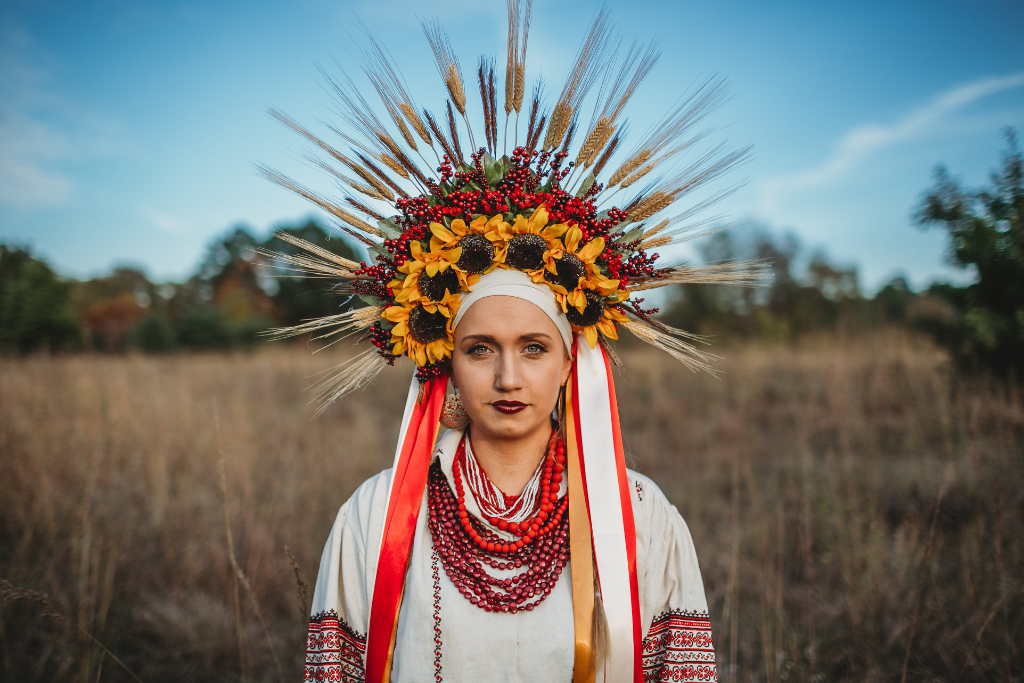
{"x":509,"y":364}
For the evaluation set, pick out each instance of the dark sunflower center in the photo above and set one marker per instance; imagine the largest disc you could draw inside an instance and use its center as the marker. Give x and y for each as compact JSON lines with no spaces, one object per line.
{"x":426,"y":327}
{"x":526,"y":252}
{"x":591,"y":314}
{"x":569,"y":269}
{"x":434,"y":287}
{"x":477,"y":253}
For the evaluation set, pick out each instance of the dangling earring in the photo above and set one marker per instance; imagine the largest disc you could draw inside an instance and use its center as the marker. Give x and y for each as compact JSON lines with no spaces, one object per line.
{"x":559,"y":415}
{"x":453,"y":413}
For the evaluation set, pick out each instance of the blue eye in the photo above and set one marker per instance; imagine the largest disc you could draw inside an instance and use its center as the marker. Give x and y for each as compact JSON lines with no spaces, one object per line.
{"x":535,"y":348}
{"x":477,"y":350}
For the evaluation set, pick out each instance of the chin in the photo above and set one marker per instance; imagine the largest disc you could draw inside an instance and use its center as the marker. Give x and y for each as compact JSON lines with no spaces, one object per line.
{"x":508,"y":426}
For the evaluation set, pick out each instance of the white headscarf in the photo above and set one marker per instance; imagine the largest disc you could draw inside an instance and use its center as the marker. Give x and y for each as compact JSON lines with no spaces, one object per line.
{"x":516,"y":283}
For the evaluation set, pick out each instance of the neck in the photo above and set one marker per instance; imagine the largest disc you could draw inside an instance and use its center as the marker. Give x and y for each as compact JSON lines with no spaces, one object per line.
{"x":510,"y":462}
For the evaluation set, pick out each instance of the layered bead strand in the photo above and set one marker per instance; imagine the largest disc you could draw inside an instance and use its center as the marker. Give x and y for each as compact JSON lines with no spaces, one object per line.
{"x":467,"y":547}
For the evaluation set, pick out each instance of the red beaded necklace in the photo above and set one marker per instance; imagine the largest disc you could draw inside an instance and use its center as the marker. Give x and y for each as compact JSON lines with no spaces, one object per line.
{"x":551,"y":476}
{"x":465,"y":545}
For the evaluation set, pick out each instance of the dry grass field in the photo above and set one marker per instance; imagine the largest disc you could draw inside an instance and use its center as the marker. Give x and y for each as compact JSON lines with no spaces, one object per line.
{"x":858,"y":513}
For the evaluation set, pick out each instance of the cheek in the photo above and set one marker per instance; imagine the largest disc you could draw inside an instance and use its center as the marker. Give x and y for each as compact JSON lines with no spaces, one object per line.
{"x":545,"y":379}
{"x":473,"y":379}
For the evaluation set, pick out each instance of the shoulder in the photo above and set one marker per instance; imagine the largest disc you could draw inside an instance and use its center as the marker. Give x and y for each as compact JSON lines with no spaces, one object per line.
{"x":645,"y":493}
{"x":655,"y":516}
{"x":365,"y":507}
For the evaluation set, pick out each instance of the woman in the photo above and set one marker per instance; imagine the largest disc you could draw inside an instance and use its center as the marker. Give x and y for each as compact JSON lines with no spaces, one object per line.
{"x":511,"y":363}
{"x":516,"y":546}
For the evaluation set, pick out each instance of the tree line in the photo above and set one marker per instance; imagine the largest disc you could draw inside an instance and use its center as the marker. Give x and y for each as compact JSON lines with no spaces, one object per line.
{"x":234,"y":294}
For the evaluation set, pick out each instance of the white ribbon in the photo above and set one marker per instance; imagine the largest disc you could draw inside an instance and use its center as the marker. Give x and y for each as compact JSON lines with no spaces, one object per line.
{"x":601,"y":482}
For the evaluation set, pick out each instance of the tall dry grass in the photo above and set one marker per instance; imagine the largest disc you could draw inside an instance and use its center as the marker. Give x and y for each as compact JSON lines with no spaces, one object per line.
{"x":857,"y":512}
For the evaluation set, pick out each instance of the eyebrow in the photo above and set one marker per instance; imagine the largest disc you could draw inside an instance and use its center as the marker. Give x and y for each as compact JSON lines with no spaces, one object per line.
{"x":494,"y":340}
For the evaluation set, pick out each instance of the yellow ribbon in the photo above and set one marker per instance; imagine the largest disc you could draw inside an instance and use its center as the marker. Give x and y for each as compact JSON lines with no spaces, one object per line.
{"x":581,"y":554}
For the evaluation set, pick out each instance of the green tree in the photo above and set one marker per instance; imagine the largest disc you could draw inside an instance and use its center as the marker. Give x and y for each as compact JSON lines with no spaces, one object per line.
{"x":300,"y":298}
{"x":986,"y":234}
{"x":34,"y":310}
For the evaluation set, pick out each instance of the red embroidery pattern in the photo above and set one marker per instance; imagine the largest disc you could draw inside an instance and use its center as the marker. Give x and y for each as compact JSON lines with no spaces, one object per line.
{"x":334,"y":652}
{"x":678,"y":647}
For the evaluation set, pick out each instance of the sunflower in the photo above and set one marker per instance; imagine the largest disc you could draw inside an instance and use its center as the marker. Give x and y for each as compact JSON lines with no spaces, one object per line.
{"x":423,"y":331}
{"x":522,"y":244}
{"x":605,"y":324}
{"x":477,"y":255}
{"x":430,"y":275}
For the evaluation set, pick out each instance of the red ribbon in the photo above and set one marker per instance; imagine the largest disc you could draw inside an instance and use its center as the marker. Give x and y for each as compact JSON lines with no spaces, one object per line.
{"x":410,"y":480}
{"x":628,"y":523}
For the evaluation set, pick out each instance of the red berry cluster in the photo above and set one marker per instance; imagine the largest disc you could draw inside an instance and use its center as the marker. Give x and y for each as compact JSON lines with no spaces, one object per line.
{"x":381,"y":338}
{"x":463,"y":191}
{"x":441,"y":368}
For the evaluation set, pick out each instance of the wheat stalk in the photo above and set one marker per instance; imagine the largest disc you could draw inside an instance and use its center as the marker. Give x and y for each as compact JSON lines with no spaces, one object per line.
{"x":413,"y":117}
{"x":343,"y":323}
{"x":629,"y":166}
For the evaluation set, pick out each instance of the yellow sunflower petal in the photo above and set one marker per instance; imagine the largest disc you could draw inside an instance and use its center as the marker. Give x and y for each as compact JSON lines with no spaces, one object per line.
{"x":395,"y":314}
{"x":400,"y":329}
{"x":554,"y":231}
{"x":459,"y":227}
{"x":572,"y":238}
{"x":591,"y":333}
{"x":420,"y":355}
{"x":593,"y":248}
{"x":399,"y":347}
{"x":607,"y":328}
{"x":539,"y":218}
{"x":613,"y":313}
{"x":452,"y":255}
{"x":606,"y":287}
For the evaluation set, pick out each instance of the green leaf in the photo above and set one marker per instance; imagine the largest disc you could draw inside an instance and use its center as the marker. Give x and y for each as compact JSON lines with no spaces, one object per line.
{"x":618,"y":227}
{"x":631,"y":236}
{"x":371,"y":300}
{"x":494,"y":170}
{"x":389,"y":228}
{"x":588,"y":182}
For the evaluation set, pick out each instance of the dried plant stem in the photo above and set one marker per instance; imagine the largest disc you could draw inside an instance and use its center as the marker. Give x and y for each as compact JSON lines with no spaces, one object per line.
{"x":920,"y":583}
{"x":9,"y":593}
{"x":301,"y":587}
{"x":231,"y":544}
{"x":237,"y":573}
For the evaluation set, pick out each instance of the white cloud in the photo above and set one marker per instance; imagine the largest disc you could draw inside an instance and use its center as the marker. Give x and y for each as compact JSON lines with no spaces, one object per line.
{"x":165,"y":221}
{"x":39,"y":129}
{"x":860,"y":142}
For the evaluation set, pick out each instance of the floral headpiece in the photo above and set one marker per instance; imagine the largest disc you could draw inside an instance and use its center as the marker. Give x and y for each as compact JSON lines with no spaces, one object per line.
{"x":539,"y":208}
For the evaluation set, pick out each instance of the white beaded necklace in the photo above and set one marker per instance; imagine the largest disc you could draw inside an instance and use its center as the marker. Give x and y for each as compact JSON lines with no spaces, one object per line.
{"x":490,"y":498}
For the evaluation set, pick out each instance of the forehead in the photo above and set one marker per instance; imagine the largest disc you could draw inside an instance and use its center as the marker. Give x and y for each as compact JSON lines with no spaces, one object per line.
{"x":505,"y":317}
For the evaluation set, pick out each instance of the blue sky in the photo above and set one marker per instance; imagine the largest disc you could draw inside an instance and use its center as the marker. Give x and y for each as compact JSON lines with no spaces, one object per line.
{"x":128,"y":130}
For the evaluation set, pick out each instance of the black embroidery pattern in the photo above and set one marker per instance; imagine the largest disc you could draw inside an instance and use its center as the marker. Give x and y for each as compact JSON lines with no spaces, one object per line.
{"x":678,"y":647}
{"x":639,"y":491}
{"x":334,"y":651}
{"x":437,"y":615}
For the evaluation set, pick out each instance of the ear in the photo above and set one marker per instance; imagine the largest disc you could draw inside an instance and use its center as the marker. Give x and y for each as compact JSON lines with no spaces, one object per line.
{"x":566,"y":369}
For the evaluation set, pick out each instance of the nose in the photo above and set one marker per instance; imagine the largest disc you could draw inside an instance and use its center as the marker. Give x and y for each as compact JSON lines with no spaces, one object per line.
{"x":508,"y":375}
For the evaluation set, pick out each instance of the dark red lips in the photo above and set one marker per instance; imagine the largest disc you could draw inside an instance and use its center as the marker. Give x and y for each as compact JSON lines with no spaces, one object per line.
{"x":508,"y":407}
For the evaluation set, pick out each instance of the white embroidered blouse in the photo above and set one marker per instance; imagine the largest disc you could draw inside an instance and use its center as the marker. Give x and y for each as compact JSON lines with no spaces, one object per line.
{"x":442,"y":636}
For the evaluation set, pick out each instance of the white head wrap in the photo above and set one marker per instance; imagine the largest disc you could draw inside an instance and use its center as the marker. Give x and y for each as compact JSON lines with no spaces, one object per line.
{"x":510,"y":282}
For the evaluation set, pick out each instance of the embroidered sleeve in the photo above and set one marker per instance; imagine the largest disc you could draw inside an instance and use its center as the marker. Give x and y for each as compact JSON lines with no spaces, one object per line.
{"x":334,"y":651}
{"x":678,"y":644}
{"x":678,"y":647}
{"x":336,"y":640}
